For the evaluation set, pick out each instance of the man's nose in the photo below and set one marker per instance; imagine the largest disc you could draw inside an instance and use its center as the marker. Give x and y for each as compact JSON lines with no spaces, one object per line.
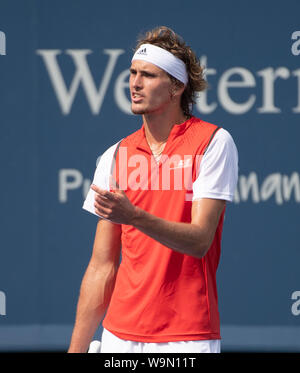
{"x":137,"y":81}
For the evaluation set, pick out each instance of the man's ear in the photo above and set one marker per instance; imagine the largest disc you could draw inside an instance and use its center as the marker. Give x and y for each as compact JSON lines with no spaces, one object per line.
{"x":176,"y":90}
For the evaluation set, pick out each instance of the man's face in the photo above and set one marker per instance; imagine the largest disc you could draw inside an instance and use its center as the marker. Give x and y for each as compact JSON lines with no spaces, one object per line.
{"x":150,"y":88}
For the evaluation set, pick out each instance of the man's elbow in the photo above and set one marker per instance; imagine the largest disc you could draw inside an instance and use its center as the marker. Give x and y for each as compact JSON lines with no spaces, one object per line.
{"x":200,"y":240}
{"x":200,"y":250}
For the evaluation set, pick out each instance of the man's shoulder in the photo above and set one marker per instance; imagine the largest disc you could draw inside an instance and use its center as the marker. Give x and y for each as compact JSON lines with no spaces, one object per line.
{"x":200,"y":125}
{"x":216,"y":135}
{"x":199,"y":133}
{"x":132,"y":138}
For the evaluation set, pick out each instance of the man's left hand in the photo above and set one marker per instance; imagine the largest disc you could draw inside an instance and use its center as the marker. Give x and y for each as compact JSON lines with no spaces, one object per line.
{"x":114,"y":206}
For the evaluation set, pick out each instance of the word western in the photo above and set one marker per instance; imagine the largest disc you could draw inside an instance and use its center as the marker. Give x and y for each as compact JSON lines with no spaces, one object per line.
{"x":233,"y":79}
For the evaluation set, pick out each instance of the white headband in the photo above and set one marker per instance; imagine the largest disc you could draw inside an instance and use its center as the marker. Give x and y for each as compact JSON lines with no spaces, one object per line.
{"x":163,"y":59}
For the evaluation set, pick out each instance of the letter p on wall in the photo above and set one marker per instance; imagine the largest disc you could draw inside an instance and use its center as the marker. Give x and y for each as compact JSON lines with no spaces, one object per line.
{"x":2,"y":44}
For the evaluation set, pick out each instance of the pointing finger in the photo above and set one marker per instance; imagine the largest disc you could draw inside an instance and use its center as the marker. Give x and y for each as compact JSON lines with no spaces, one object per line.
{"x":96,"y":189}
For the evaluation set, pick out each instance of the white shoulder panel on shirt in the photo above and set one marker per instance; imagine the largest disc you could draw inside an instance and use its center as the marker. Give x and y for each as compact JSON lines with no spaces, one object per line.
{"x":101,"y":177}
{"x":218,"y":173}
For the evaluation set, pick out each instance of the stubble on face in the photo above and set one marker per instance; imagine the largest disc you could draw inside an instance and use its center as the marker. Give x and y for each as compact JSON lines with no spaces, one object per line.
{"x":154,"y":105}
{"x":137,"y":111}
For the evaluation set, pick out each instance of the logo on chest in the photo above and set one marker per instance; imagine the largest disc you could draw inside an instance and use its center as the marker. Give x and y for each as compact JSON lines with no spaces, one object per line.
{"x":182,"y":163}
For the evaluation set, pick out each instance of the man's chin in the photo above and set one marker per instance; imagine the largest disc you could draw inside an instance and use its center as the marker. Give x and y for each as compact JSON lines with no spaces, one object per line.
{"x":138,"y":111}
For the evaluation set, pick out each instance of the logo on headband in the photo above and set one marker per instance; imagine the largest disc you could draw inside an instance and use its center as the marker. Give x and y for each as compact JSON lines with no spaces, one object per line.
{"x":143,"y":51}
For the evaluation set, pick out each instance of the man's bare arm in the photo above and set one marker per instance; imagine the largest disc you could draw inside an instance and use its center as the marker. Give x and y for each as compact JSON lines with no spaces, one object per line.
{"x":192,"y":238}
{"x":97,"y":284}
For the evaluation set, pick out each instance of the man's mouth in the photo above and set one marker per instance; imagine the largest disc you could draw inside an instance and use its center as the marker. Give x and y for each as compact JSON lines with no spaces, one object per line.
{"x":136,"y":97}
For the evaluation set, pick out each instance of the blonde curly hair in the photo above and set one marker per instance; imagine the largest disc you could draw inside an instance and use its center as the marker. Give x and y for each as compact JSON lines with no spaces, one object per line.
{"x":166,"y":38}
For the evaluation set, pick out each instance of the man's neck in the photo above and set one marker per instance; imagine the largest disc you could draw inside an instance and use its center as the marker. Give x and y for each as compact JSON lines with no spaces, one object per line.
{"x":158,"y":126}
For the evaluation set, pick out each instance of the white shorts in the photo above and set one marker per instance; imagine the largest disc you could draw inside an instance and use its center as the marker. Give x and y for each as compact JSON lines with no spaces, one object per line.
{"x":112,"y":344}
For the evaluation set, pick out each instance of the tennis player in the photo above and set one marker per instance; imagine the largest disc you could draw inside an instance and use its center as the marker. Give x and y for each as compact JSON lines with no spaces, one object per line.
{"x":160,"y":195}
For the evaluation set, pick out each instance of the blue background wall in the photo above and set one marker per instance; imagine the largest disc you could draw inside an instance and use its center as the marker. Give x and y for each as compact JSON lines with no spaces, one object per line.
{"x":52,"y":132}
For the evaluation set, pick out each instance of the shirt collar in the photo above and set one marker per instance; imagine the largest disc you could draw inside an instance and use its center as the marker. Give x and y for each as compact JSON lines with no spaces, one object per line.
{"x":177,"y":130}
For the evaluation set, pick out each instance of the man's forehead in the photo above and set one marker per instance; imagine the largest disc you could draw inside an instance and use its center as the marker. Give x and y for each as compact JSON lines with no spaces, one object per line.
{"x":147,"y":66}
